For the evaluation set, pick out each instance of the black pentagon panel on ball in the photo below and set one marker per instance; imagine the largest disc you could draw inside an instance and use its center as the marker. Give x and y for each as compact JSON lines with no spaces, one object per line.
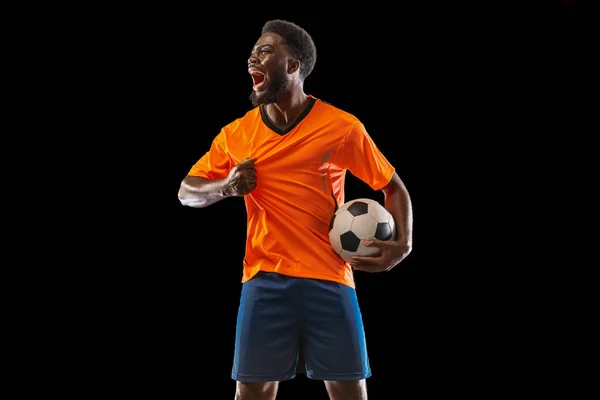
{"x":358,"y":208}
{"x":384,"y":231}
{"x":331,"y":223}
{"x":350,"y":241}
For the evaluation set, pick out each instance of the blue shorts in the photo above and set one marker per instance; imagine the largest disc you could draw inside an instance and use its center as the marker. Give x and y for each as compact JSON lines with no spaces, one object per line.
{"x":289,"y":325}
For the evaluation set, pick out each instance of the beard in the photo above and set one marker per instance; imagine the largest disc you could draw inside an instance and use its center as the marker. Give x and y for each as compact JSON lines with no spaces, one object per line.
{"x":275,"y":87}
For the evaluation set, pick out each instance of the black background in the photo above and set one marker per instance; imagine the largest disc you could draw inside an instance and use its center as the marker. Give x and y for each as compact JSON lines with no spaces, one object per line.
{"x":442,"y":89}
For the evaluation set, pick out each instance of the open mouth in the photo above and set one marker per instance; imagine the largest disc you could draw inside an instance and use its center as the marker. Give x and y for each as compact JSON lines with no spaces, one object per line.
{"x":258,"y":79}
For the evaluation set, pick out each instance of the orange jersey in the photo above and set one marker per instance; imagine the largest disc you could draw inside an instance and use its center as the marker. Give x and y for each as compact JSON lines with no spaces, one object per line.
{"x":300,"y":181}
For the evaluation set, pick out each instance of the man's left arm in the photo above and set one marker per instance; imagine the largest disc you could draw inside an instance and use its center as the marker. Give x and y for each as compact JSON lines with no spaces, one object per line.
{"x":398,"y":203}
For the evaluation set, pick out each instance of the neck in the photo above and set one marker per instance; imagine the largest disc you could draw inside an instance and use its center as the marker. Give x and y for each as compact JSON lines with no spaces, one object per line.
{"x":288,"y":107}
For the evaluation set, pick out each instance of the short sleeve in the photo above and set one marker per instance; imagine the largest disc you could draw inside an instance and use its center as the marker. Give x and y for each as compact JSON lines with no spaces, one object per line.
{"x":215,"y":163}
{"x":364,"y":160}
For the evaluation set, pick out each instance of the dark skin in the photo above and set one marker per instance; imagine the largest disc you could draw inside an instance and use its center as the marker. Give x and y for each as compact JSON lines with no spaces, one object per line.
{"x":271,"y":59}
{"x":198,"y":192}
{"x":397,"y":202}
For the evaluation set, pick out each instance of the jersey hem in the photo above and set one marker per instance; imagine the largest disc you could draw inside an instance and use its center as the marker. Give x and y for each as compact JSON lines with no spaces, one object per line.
{"x":307,"y":276}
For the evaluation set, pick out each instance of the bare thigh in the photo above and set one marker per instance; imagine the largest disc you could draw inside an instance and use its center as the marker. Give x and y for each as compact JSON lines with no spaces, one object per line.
{"x":257,"y":390}
{"x":347,"y":390}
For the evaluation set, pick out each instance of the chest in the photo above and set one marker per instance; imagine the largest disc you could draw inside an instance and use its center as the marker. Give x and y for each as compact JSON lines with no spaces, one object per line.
{"x":297,"y":153}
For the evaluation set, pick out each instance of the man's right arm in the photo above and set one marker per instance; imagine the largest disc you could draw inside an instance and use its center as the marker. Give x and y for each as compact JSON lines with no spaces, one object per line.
{"x":198,"y":192}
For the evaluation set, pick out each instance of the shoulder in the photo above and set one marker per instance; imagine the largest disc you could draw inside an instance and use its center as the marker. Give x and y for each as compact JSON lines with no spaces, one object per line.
{"x":241,"y":122}
{"x":331,"y":112}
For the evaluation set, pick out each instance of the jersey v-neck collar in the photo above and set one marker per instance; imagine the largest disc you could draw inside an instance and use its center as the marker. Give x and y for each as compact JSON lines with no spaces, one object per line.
{"x":267,"y":121}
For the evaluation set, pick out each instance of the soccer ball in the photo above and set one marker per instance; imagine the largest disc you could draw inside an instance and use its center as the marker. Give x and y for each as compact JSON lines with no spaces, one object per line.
{"x":358,"y":220}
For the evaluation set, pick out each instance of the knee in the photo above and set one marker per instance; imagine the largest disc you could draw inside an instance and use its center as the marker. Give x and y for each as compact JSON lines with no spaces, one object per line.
{"x":342,"y":390}
{"x":256,"y":390}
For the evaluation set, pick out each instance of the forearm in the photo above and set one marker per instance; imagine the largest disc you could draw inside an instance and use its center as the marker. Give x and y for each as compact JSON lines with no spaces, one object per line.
{"x":398,"y":203}
{"x":199,"y":192}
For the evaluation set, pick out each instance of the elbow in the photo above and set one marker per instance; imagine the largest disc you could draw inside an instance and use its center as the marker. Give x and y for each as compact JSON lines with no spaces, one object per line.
{"x":181,"y":195}
{"x":182,"y":200}
{"x":188,"y":199}
{"x":189,"y":202}
{"x":188,"y":195}
{"x":395,"y":185}
{"x":185,"y":199}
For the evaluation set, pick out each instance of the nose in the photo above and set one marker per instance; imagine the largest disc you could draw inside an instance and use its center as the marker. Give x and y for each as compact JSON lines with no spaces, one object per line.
{"x":252,"y":60}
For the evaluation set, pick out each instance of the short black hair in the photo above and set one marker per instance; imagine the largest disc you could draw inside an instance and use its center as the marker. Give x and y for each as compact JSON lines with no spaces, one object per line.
{"x":298,"y":40}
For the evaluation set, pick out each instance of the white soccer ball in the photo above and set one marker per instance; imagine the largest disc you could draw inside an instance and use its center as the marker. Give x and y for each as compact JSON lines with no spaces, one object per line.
{"x":358,"y":220}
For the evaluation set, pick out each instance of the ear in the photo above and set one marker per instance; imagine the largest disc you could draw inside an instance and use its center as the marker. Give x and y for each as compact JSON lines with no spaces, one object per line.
{"x":293,"y":66}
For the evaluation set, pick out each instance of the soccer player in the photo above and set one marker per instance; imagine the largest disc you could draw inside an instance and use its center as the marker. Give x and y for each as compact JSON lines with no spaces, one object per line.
{"x":288,"y":157}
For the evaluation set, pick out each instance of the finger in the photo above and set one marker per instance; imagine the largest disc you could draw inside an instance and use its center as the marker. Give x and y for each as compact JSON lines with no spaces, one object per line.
{"x":246,"y":175}
{"x":366,"y":268}
{"x":246,"y":164}
{"x":373,"y":243}
{"x":365,"y":260}
{"x":249,"y":161}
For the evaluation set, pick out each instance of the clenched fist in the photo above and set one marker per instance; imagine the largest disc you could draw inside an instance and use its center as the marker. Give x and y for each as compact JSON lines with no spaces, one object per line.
{"x":242,"y":178}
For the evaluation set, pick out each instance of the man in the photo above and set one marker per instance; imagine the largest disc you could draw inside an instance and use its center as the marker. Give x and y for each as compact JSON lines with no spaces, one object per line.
{"x":288,"y":157}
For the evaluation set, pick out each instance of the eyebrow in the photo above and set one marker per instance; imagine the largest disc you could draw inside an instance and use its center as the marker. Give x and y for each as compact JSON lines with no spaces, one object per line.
{"x":260,"y":47}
